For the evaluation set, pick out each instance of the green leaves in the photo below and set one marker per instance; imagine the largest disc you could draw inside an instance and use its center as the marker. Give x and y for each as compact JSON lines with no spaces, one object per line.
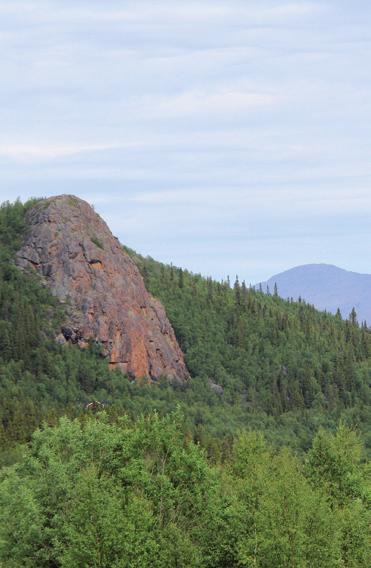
{"x":22,"y":534}
{"x":101,"y":525}
{"x":334,"y":463}
{"x":102,"y":494}
{"x":109,"y":495}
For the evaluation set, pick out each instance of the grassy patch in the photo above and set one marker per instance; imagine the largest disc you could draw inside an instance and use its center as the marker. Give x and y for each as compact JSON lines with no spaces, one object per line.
{"x":97,"y":242}
{"x":73,"y":201}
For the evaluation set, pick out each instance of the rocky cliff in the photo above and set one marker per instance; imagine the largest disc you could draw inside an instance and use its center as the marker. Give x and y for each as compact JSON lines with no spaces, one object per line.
{"x":85,"y":266}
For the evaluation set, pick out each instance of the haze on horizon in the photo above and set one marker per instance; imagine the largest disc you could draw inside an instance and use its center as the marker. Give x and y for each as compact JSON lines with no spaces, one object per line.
{"x":229,"y":137}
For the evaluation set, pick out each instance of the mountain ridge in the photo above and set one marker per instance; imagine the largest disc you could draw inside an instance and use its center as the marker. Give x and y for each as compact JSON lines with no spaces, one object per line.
{"x":326,"y":286}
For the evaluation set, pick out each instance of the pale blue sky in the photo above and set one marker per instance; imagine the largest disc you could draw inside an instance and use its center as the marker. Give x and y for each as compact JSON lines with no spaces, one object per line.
{"x":229,"y":137}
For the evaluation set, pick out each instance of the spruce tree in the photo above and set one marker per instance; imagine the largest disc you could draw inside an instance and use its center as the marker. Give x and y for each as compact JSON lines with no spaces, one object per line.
{"x":353,"y":317}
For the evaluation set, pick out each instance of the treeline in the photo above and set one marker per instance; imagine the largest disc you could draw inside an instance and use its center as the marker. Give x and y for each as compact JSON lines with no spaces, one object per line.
{"x":281,"y":355}
{"x":142,"y":494}
{"x":282,"y":358}
{"x":256,"y":361}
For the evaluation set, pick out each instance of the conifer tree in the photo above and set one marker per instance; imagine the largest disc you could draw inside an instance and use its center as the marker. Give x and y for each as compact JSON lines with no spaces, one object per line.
{"x":237,"y":293}
{"x":353,"y":317}
{"x":181,"y":278}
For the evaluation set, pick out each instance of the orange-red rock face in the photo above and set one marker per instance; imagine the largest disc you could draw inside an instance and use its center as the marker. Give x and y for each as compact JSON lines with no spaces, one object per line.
{"x":85,"y":266}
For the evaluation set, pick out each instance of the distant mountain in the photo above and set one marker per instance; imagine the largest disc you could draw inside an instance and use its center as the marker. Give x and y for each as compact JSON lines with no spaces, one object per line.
{"x":327,"y":287}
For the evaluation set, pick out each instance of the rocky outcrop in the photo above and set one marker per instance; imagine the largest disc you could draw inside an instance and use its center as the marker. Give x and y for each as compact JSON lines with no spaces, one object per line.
{"x":85,"y":266}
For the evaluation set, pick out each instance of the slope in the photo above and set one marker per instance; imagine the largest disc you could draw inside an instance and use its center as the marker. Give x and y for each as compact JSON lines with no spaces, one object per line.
{"x":279,"y":355}
{"x":255,"y":360}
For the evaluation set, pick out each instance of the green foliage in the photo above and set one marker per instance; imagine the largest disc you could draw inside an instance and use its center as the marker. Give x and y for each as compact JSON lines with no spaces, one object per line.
{"x":279,"y":358}
{"x":12,"y":227}
{"x":333,"y":466}
{"x":38,"y":378}
{"x":290,"y":523}
{"x":279,"y":355}
{"x":73,"y":201}
{"x":140,"y":486}
{"x":141,"y":494}
{"x":97,"y":242}
{"x":333,"y":462}
{"x":284,"y":368}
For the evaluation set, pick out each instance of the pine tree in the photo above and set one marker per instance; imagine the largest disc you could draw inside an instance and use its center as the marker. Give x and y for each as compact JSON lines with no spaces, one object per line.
{"x":353,"y":317}
{"x":181,"y":278}
{"x":5,"y":340}
{"x":244,"y":294}
{"x":237,"y":293}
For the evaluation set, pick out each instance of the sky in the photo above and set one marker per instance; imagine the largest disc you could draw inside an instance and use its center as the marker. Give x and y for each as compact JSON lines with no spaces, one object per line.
{"x":228,"y":137}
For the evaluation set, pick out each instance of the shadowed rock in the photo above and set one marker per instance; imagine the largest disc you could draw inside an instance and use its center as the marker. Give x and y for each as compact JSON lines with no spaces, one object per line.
{"x":85,"y":266}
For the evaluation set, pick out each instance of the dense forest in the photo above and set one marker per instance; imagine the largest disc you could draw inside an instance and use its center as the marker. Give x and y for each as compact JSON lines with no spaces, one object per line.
{"x":273,"y":361}
{"x":96,"y":493}
{"x":258,"y":461}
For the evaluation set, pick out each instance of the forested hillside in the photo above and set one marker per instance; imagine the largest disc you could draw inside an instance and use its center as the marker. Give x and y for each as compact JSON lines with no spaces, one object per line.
{"x":282,"y":358}
{"x":229,"y":469}
{"x":255,"y":360}
{"x":279,"y":355}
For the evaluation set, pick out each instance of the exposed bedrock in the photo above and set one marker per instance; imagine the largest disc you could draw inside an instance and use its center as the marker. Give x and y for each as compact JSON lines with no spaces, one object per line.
{"x":85,"y":266}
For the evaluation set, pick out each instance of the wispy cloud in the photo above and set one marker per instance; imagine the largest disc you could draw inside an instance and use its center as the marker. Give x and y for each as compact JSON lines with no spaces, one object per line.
{"x":164,"y":11}
{"x":239,"y":128}
{"x":202,"y":102}
{"x":310,"y":200}
{"x":35,"y":152}
{"x":292,"y":10}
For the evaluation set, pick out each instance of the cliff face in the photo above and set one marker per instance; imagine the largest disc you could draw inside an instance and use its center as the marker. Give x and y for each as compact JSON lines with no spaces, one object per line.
{"x":85,"y":266}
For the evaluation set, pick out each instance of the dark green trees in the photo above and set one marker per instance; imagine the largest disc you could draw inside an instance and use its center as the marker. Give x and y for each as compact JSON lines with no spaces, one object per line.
{"x":272,"y":358}
{"x":286,"y":355}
